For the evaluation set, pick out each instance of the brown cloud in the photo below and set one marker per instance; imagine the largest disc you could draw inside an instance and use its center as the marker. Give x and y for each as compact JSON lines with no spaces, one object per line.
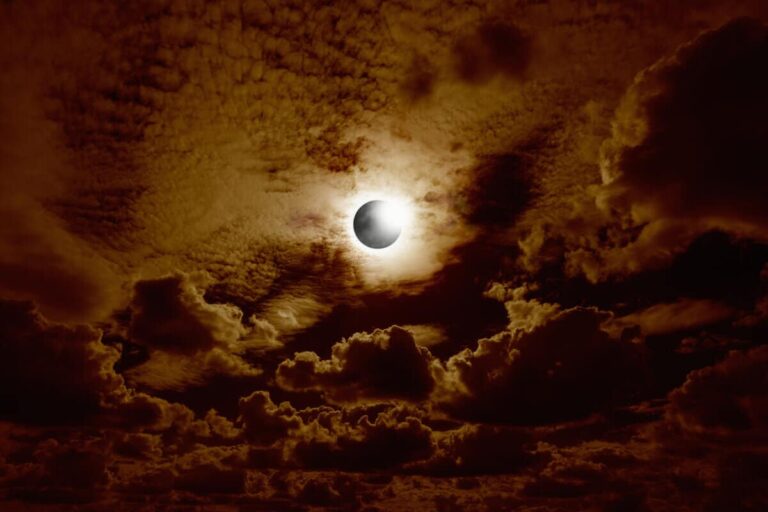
{"x":686,"y":156}
{"x":479,"y":449}
{"x":352,"y":438}
{"x":189,"y":340}
{"x":728,"y":399}
{"x":563,"y":368}
{"x":160,"y":139}
{"x":171,"y":314}
{"x":362,"y":438}
{"x":52,"y":371}
{"x":58,"y":374}
{"x":263,"y":421}
{"x":493,"y":48}
{"x":689,"y":140}
{"x":419,"y":79}
{"x":61,"y":471}
{"x":382,"y":364}
{"x":677,"y":316}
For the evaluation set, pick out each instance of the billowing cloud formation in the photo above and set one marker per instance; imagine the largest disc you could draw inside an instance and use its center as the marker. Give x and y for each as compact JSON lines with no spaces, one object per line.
{"x":562,"y":369}
{"x":685,"y":156}
{"x":170,"y":314}
{"x":479,"y":449}
{"x":59,"y":374}
{"x":689,"y":139}
{"x":188,"y":338}
{"x":348,"y":438}
{"x":728,"y":398}
{"x":383,"y":364}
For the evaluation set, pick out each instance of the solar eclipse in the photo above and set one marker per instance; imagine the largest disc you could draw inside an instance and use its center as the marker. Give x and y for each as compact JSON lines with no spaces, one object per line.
{"x":378,"y":224}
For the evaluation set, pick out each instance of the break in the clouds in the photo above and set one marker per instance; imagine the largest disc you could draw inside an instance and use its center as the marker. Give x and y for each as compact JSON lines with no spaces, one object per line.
{"x":573,"y":317}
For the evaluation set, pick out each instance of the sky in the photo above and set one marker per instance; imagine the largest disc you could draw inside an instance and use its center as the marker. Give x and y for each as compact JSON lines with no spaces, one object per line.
{"x":574,"y":317}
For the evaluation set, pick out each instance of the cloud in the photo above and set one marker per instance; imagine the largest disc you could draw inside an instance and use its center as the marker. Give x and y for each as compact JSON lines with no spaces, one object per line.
{"x":500,"y":191}
{"x":686,"y":155}
{"x":681,"y":315}
{"x":729,"y":399}
{"x":419,"y":79}
{"x":361,"y":439}
{"x":263,"y":421}
{"x":57,"y":374}
{"x":352,"y":438}
{"x":61,"y":471}
{"x":476,"y":449}
{"x":493,"y":48}
{"x":52,"y":371}
{"x":684,"y":158}
{"x":41,"y":258}
{"x":563,"y":368}
{"x":382,"y":364}
{"x":171,"y":314}
{"x":189,"y":339}
{"x":689,"y":141}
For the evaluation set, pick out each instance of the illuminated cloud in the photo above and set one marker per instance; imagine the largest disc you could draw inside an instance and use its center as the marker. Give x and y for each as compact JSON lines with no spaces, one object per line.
{"x":383,"y":364}
{"x":189,"y":340}
{"x":727,"y":399}
{"x":567,"y":367}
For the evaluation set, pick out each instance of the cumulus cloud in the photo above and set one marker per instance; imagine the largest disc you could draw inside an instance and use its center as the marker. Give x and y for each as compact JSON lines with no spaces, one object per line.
{"x":686,"y":156}
{"x":479,"y":449}
{"x":263,"y":421}
{"x":53,"y":371}
{"x":188,"y":338}
{"x":171,"y":314}
{"x":362,"y":439}
{"x":566,"y":367}
{"x":353,"y":438}
{"x":689,"y":141}
{"x":382,"y":364}
{"x":727,"y":399}
{"x":56,"y":374}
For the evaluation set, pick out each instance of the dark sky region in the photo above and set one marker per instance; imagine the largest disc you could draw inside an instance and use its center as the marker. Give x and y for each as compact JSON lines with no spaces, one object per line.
{"x":574,"y":317}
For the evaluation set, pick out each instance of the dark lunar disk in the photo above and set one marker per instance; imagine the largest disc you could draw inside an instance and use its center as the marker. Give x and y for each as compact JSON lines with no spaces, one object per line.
{"x":375,"y":226}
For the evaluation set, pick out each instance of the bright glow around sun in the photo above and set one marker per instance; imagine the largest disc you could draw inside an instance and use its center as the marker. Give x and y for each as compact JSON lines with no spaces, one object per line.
{"x":393,"y":215}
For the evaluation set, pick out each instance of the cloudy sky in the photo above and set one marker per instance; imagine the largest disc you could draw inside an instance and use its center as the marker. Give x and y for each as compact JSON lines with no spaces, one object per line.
{"x":574,"y":317}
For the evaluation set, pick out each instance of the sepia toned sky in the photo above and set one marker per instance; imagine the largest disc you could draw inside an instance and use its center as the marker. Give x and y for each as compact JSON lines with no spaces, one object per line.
{"x":574,"y":318}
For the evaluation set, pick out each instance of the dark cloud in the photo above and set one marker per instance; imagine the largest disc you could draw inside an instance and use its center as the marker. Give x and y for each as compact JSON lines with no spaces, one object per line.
{"x":729,"y":399}
{"x":357,"y":438}
{"x":374,"y":440}
{"x":480,"y":449}
{"x":170,"y":314}
{"x":419,"y":79}
{"x":61,"y":472}
{"x":493,"y":48}
{"x":53,"y":372}
{"x":563,"y":365}
{"x":188,"y":341}
{"x":382,"y":364}
{"x":501,"y":189}
{"x":690,"y":141}
{"x":265,"y":422}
